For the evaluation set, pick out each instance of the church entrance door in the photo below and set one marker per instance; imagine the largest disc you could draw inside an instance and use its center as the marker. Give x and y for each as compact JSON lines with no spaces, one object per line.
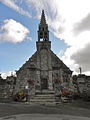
{"x":44,"y":83}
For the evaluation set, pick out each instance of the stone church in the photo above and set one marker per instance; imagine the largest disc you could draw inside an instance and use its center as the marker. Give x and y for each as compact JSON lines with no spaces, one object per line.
{"x":43,"y":67}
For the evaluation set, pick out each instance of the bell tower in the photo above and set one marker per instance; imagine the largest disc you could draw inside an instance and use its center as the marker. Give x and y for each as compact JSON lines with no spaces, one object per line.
{"x":43,"y":34}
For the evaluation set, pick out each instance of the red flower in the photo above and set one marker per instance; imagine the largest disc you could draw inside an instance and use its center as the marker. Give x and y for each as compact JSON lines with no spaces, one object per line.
{"x":30,"y":81}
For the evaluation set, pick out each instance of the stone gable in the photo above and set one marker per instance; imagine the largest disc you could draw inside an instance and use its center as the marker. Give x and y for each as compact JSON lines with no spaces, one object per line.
{"x":43,"y":67}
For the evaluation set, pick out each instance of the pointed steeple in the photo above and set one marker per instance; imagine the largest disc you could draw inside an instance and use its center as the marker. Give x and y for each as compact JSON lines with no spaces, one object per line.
{"x":43,"y":20}
{"x":43,"y":32}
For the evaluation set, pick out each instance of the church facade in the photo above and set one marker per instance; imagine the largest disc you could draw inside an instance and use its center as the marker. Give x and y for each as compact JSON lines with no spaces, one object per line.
{"x":43,"y":68}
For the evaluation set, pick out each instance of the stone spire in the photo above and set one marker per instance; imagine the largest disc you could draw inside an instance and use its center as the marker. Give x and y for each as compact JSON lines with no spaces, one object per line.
{"x":43,"y":20}
{"x":43,"y":32}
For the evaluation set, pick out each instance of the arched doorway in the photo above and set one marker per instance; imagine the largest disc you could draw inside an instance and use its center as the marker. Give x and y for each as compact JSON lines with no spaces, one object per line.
{"x":44,"y":83}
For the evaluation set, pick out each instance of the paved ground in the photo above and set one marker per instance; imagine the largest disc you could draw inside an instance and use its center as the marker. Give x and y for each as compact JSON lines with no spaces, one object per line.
{"x":44,"y":117}
{"x":79,"y":109}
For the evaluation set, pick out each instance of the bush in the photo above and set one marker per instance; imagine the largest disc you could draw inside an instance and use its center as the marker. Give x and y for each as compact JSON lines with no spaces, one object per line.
{"x":20,"y":96}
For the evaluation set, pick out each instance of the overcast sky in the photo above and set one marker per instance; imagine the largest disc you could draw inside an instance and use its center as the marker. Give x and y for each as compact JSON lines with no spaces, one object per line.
{"x":69,"y":26}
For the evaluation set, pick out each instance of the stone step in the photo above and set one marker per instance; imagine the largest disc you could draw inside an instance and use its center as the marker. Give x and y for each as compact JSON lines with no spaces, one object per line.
{"x":45,"y":103}
{"x":45,"y":92}
{"x":43,"y":96}
{"x":42,"y":100}
{"x":37,"y":98}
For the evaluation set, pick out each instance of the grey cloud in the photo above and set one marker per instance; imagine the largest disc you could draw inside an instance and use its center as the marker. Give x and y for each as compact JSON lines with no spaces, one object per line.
{"x":82,"y":58}
{"x":84,"y":25}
